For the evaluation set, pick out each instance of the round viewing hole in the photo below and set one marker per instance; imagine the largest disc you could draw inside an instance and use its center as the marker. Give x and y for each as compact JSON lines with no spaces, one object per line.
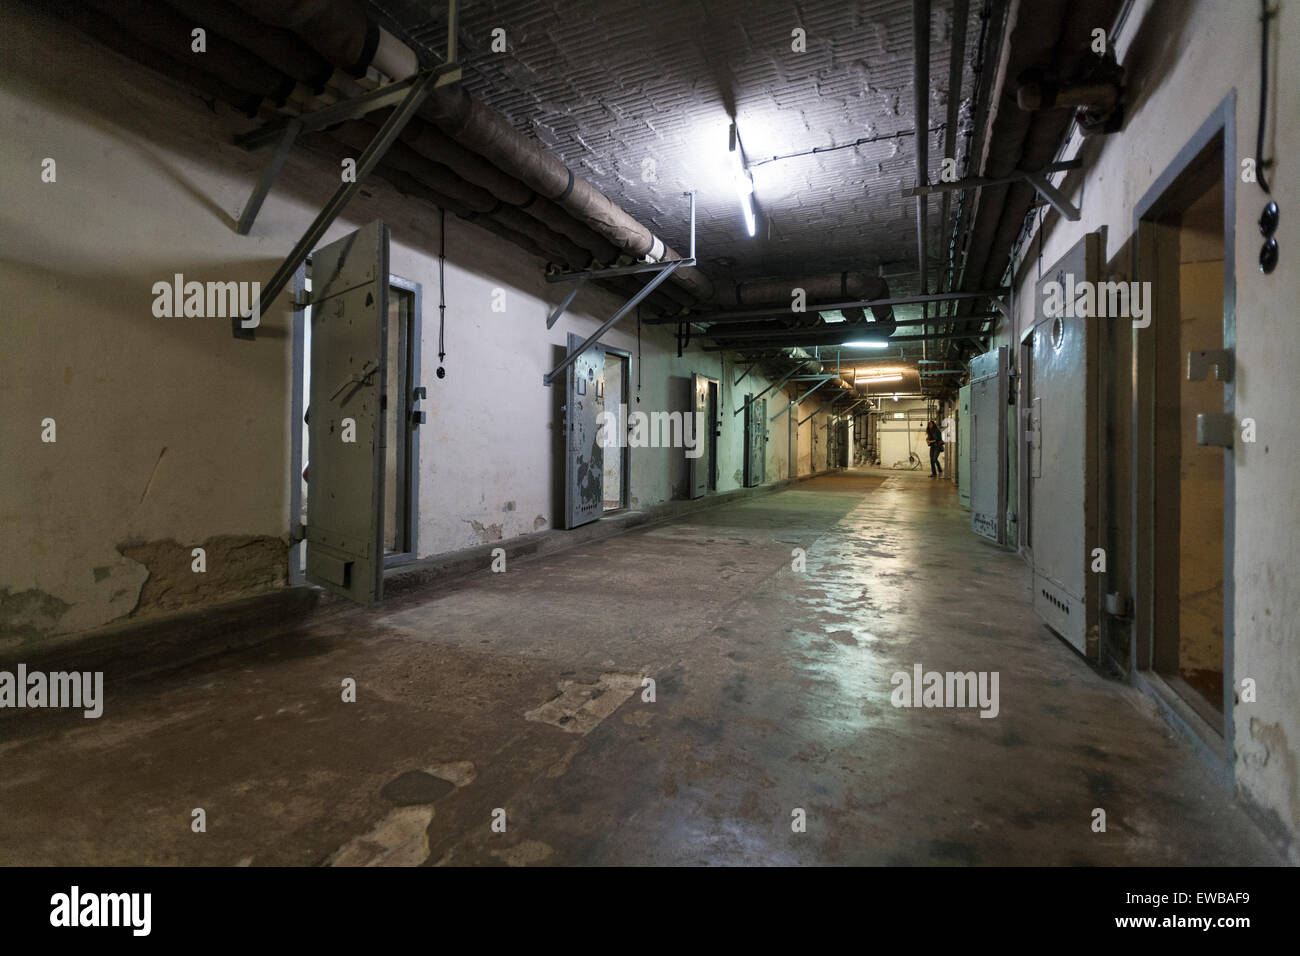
{"x":1058,"y":333}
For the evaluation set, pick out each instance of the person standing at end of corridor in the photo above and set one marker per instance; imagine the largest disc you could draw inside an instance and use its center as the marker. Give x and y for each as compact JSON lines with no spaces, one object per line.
{"x":934,"y":438}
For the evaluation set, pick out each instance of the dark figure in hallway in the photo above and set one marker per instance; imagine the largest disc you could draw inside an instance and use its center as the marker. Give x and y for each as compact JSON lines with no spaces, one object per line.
{"x":934,"y":438}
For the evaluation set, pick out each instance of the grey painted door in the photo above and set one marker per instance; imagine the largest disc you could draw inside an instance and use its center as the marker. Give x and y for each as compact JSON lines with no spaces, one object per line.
{"x":345,"y":506}
{"x":963,"y":446}
{"x":698,"y":467}
{"x":755,"y":441}
{"x":584,"y":461}
{"x":1063,"y":455}
{"x":988,"y":418}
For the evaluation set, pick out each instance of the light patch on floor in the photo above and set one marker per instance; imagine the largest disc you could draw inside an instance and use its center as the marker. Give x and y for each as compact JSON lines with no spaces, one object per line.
{"x":400,"y":839}
{"x":530,"y":851}
{"x":580,"y":707}
{"x":458,"y":773}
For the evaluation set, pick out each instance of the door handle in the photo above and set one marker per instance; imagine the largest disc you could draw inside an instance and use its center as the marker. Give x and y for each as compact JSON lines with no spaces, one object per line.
{"x":367,"y":370}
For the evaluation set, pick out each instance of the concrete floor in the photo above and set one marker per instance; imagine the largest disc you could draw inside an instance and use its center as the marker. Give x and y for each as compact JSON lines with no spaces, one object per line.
{"x":772,"y":692}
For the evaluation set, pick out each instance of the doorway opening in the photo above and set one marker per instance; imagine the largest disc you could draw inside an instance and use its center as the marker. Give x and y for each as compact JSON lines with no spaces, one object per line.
{"x":712,"y":424}
{"x":1183,"y":435}
{"x":617,"y":466}
{"x":401,"y":447}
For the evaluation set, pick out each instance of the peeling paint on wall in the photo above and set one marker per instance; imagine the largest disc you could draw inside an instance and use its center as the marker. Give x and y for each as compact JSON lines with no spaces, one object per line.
{"x":237,"y":565}
{"x":486,"y":533}
{"x":1269,"y":739}
{"x":28,"y":614}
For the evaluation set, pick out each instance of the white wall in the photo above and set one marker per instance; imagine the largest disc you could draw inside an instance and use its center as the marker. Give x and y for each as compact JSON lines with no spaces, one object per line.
{"x":896,"y":436}
{"x":170,"y":433}
{"x":1183,"y":59}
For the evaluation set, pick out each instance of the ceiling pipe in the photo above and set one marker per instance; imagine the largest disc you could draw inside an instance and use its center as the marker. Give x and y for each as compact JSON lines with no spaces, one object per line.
{"x":420,"y":178}
{"x":274,"y":45}
{"x":108,"y":32}
{"x":817,"y":289}
{"x":344,"y":33}
{"x":162,"y":28}
{"x":921,"y":89}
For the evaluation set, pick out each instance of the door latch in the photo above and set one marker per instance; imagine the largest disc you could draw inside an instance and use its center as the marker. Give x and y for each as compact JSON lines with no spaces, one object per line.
{"x":367,"y":370}
{"x":1198,"y":365}
{"x":417,"y":416}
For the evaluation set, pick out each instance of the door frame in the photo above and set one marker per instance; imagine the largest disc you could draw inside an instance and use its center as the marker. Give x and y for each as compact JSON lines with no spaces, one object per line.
{"x":297,"y":540}
{"x":408,"y":453}
{"x":625,"y":478}
{"x":1166,"y":195}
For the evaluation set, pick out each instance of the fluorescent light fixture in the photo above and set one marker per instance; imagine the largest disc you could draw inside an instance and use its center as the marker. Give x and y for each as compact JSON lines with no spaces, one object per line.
{"x":864,"y":344}
{"x":744,"y":182}
{"x":899,"y":414}
{"x":883,"y":378}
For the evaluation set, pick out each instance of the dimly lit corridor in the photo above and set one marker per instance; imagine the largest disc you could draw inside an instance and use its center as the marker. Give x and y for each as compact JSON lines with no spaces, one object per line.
{"x":772,"y":692}
{"x":701,"y":435}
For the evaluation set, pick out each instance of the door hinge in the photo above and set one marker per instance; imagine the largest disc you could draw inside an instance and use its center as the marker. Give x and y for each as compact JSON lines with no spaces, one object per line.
{"x":1214,"y":428}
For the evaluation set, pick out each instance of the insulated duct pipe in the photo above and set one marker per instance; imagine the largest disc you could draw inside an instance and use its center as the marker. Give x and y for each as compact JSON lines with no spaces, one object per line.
{"x":277,"y":46}
{"x":162,"y":28}
{"x":485,"y":132}
{"x":921,"y":84}
{"x":342,"y":32}
{"x":838,"y":287}
{"x":107,"y":31}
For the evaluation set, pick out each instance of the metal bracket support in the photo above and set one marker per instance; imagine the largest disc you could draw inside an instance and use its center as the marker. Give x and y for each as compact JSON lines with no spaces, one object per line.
{"x":568,"y":301}
{"x":1036,"y":179}
{"x":1199,"y":363}
{"x":422,"y":86}
{"x":814,"y":413}
{"x":789,"y":375}
{"x":272,"y":169}
{"x":802,"y":397}
{"x":631,"y":304}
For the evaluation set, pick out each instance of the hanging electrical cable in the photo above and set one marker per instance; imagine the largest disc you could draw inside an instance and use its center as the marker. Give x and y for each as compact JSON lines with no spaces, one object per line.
{"x":1260,"y":163}
{"x":442,"y":289}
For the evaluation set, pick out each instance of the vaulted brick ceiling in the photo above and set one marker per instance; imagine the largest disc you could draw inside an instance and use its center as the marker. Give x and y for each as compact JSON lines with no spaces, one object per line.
{"x":638,"y":97}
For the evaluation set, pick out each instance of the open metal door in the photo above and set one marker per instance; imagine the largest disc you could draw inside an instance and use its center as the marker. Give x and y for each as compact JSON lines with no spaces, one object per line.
{"x":345,"y":507}
{"x":963,"y":446}
{"x":1062,"y":449}
{"x":755,"y":441}
{"x":698,"y":466}
{"x":584,"y":459}
{"x":988,"y":439}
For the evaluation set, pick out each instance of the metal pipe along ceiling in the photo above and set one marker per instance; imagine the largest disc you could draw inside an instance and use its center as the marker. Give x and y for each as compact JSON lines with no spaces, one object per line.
{"x":839,"y":287}
{"x":342,"y":32}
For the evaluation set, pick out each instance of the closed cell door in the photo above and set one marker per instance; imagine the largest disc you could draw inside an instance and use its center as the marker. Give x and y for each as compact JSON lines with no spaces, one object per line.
{"x":988,"y":403}
{"x":1062,"y":451}
{"x":345,"y":510}
{"x":584,"y":470}
{"x":963,"y":446}
{"x":753,"y":442}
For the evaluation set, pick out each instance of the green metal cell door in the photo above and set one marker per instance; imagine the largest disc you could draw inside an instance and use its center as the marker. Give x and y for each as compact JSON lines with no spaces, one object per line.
{"x":345,"y":509}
